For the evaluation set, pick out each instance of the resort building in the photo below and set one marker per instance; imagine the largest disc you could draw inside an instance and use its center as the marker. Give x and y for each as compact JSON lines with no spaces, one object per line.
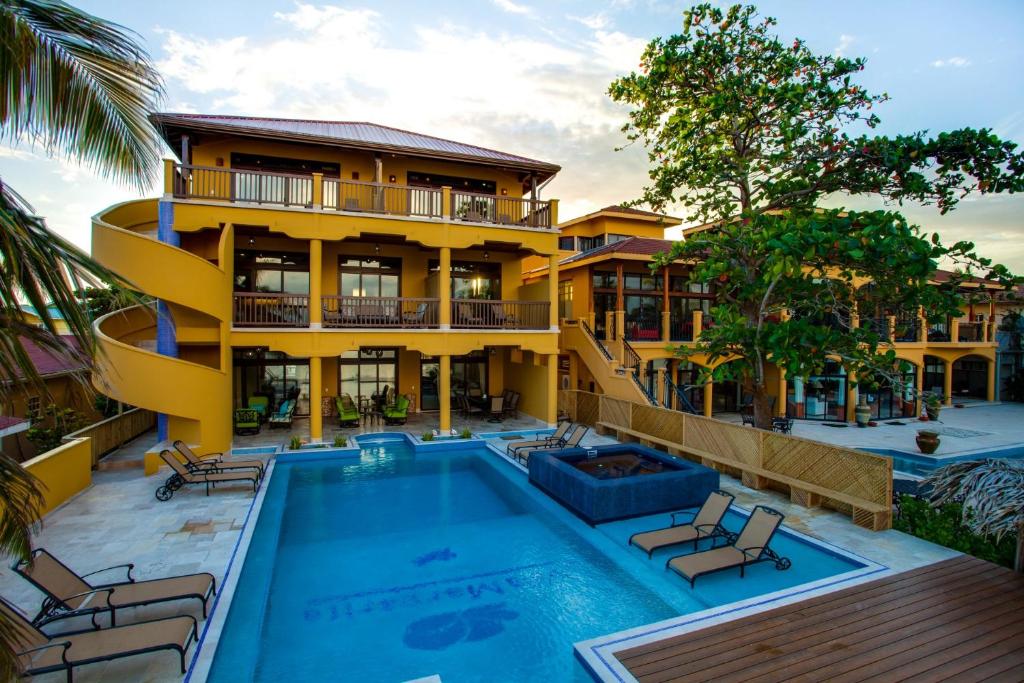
{"x":299,"y":261}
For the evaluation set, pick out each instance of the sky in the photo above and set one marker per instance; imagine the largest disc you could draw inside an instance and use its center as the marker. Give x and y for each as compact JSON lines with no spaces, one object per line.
{"x":530,"y":78}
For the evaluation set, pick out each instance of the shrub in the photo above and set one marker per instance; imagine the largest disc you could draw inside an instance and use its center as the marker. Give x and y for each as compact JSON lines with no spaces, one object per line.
{"x":295,"y":444}
{"x":428,"y":436}
{"x":466,"y":434}
{"x":943,"y":525}
{"x":53,"y":423}
{"x":340,"y":441}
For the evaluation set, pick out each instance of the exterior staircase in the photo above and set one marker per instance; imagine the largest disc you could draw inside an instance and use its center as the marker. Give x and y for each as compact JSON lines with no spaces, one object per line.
{"x":615,"y":379}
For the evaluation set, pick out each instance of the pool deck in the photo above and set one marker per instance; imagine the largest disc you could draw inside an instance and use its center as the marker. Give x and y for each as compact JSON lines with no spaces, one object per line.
{"x":960,"y":619}
{"x":118,"y":520}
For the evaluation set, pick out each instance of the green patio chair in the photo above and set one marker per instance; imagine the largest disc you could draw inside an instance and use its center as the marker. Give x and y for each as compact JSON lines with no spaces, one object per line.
{"x":398,"y":413}
{"x":261,"y":404}
{"x":284,"y":414}
{"x":348,"y":413}
{"x":247,"y":421}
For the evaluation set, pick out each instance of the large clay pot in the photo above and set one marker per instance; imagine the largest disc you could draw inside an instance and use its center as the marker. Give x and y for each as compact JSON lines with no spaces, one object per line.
{"x":927,"y":441}
{"x":932,"y":411}
{"x":862,"y":413}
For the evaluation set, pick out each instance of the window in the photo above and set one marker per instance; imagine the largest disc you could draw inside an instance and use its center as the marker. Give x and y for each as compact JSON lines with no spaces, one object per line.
{"x":370,"y":276}
{"x":567,"y":243}
{"x":272,"y":374}
{"x":587,"y":243}
{"x":367,"y":373}
{"x":419,"y":179}
{"x":265,"y":271}
{"x":565,"y":299}
{"x":612,"y":238}
{"x":605,"y":280}
{"x":473,"y":280}
{"x":32,"y":408}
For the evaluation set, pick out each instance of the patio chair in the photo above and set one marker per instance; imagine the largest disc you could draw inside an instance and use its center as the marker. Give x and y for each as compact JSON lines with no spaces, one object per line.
{"x":283,"y":416}
{"x":497,"y":408}
{"x":512,"y":404}
{"x":705,"y":523}
{"x":246,"y":421}
{"x":398,"y":413}
{"x":558,"y":437}
{"x":352,"y":204}
{"x":469,"y":409}
{"x":69,"y":594}
{"x":523,"y":454}
{"x":747,"y":548}
{"x":182,"y":475}
{"x":416,"y":318}
{"x":261,"y":404}
{"x":38,"y":653}
{"x":465,"y":317}
{"x":348,"y":413}
{"x":215,"y":462}
{"x":501,"y":317}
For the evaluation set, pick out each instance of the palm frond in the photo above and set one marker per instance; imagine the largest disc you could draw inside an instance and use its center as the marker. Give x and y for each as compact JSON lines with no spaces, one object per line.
{"x":79,"y":85}
{"x":992,"y":493}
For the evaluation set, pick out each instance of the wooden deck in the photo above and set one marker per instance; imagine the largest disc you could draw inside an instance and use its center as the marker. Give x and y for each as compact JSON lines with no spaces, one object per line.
{"x":961,"y":619}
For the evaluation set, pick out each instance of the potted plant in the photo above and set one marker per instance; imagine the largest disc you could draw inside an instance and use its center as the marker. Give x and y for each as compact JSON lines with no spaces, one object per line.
{"x":466,"y":434}
{"x":295,"y":444}
{"x":340,"y":441}
{"x":932,"y":406}
{"x":928,"y":441}
{"x":428,"y":436}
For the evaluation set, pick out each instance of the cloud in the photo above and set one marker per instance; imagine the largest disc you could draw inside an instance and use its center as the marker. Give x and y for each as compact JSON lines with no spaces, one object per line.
{"x":955,"y":62}
{"x":511,"y":7}
{"x":593,"y":21}
{"x":842,"y":49}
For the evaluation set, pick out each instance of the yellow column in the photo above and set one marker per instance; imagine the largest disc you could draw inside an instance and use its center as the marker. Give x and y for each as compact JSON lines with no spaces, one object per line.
{"x":990,"y":384}
{"x":446,"y":202}
{"x":947,"y":381}
{"x":318,"y":190}
{"x":315,"y":282}
{"x":919,"y":386}
{"x":666,"y":326}
{"x":445,"y":393}
{"x":554,"y":212}
{"x":316,"y":420}
{"x":851,"y":398}
{"x":780,"y":403}
{"x":698,"y":323}
{"x":551,"y":413}
{"x":444,"y":284}
{"x":553,"y":291}
{"x":708,"y":400}
{"x":168,"y":177}
{"x":954,"y":330}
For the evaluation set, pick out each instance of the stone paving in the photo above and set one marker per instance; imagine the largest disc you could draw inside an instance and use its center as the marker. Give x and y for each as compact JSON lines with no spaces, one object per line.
{"x":119,"y":520}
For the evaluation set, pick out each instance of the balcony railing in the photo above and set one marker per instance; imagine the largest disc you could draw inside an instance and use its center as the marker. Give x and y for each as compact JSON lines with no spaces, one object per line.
{"x":969,"y":332}
{"x":680,"y":330}
{"x":644,"y":329}
{"x":500,"y":315}
{"x":333,"y":194}
{"x":366,"y":311}
{"x":266,"y":309}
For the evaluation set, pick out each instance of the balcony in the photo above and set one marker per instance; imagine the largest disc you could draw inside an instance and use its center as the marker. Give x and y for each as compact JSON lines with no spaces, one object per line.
{"x":332,"y":195}
{"x":260,"y":310}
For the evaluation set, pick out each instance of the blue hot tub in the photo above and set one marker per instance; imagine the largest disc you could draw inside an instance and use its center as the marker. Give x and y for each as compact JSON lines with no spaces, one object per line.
{"x":620,"y":481}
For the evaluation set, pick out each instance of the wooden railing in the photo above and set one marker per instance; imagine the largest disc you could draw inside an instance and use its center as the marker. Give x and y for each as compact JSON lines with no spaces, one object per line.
{"x":812,"y":473}
{"x":269,"y":309}
{"x":400,"y":200}
{"x":232,"y":185}
{"x":514,"y":211}
{"x":114,"y":432}
{"x":493,"y":314}
{"x":969,"y":332}
{"x":367,"y":311}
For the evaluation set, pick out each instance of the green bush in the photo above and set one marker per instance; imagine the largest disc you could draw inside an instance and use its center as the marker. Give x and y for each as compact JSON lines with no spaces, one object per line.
{"x":340,"y":441}
{"x":53,"y":423}
{"x":428,"y":436}
{"x":943,"y":525}
{"x":466,"y":434}
{"x":295,"y":444}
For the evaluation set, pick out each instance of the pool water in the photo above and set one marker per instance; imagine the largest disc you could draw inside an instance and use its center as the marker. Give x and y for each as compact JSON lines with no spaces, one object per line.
{"x":923,"y":465}
{"x":401,"y":565}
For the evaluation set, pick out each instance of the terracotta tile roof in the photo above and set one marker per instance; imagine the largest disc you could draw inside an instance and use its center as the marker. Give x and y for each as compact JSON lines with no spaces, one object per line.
{"x":618,"y":208}
{"x":49,"y":363}
{"x":353,"y":133}
{"x":643,"y":246}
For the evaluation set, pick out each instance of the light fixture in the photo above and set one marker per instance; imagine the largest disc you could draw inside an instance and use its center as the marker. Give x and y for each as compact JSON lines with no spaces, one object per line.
{"x":355,"y":175}
{"x":487,"y":255}
{"x":252,"y":241}
{"x":376,"y":248}
{"x":392,"y":179}
{"x":504,"y":191}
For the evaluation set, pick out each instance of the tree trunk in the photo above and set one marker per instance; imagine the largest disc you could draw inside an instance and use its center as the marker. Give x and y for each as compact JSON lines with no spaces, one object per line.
{"x":762,"y":406}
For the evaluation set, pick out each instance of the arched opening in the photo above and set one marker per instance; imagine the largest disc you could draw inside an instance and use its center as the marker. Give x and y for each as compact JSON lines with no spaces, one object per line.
{"x":819,"y":397}
{"x":891,"y":395}
{"x":934,"y":376}
{"x":970,"y":378}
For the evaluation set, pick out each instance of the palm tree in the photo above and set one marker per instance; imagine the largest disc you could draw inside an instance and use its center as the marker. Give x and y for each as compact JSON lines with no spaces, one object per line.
{"x":79,"y":87}
{"x":992,"y":494}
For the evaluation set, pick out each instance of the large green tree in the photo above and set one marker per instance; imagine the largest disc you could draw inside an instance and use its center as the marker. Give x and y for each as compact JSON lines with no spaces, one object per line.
{"x":78,"y":87}
{"x":750,"y":134}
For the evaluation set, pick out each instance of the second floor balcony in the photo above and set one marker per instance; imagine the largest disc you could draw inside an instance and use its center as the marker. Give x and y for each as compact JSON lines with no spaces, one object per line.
{"x":263,"y":310}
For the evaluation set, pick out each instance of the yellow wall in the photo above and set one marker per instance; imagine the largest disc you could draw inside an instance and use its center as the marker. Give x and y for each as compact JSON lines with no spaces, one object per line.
{"x":527,"y":373}
{"x":64,"y":471}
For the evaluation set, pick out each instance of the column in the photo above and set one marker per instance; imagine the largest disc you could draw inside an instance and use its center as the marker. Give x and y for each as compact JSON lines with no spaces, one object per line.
{"x":708,"y":398}
{"x":444,"y":289}
{"x":666,"y":319}
{"x":990,"y":380}
{"x":661,"y":386}
{"x":316,"y":419}
{"x":798,"y":397}
{"x":919,"y":386}
{"x":620,"y":308}
{"x":315,"y":283}
{"x":780,"y":403}
{"x":852,"y":397}
{"x":553,"y":291}
{"x":445,"y":392}
{"x":551,"y":413}
{"x":698,"y":324}
{"x":168,"y":178}
{"x":947,"y":381}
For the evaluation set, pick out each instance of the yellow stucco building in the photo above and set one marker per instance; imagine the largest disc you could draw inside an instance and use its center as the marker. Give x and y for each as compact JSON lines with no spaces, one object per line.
{"x":303,"y":260}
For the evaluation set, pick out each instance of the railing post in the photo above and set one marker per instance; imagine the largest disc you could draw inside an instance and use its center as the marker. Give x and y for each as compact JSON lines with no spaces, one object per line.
{"x":609,"y":325}
{"x":553,"y":212}
{"x":446,"y":202}
{"x":315,"y":282}
{"x":553,"y":292}
{"x":666,"y":325}
{"x":620,"y":324}
{"x":954,"y":329}
{"x":444,"y":283}
{"x":698,"y":323}
{"x":168,"y":178}
{"x":922,"y":329}
{"x":661,"y":384}
{"x":318,"y":191}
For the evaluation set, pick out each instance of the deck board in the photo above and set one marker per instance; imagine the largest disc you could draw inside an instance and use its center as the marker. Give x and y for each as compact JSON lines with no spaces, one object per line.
{"x":960,"y":619}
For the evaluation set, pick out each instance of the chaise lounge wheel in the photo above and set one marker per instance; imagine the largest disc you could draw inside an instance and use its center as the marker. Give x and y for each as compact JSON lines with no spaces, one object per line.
{"x":164,"y":493}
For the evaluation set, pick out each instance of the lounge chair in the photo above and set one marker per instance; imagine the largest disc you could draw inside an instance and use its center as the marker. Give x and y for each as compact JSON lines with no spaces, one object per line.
{"x":182,"y":475}
{"x":348,"y":413}
{"x":284,"y":414}
{"x":705,"y":523}
{"x":38,"y":653}
{"x":749,"y":547}
{"x":215,"y":462}
{"x":247,"y":421}
{"x":557,"y":437}
{"x":523,"y":453}
{"x":398,"y":413}
{"x":68,"y":594}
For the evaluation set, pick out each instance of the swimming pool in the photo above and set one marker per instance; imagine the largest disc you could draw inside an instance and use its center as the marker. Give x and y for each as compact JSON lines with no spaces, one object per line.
{"x":923,"y":465}
{"x":403,"y":564}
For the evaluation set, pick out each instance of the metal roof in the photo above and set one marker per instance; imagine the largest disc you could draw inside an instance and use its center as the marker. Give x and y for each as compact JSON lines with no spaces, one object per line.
{"x":345,"y":134}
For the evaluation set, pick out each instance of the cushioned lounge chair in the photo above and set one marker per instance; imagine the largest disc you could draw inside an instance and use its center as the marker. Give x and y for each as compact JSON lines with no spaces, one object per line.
{"x":348,"y":413}
{"x":573,"y":440}
{"x":182,"y":475}
{"x":215,"y":462}
{"x":398,"y":413}
{"x":68,"y":594}
{"x":749,"y":547}
{"x":261,"y":404}
{"x":284,"y":414}
{"x":38,"y":653}
{"x":705,"y":523}
{"x":247,"y":421}
{"x":558,"y":437}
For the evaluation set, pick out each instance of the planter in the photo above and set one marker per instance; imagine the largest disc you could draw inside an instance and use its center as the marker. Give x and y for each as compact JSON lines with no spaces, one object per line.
{"x":863,"y":414}
{"x":933,"y":412}
{"x":928,"y":442}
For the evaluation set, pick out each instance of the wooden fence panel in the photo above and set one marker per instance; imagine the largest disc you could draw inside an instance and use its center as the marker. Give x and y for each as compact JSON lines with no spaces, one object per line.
{"x":567,"y":403}
{"x":106,"y":435}
{"x":616,"y":411}
{"x":844,"y":470}
{"x":588,"y":408}
{"x":659,"y":422}
{"x":740,"y":444}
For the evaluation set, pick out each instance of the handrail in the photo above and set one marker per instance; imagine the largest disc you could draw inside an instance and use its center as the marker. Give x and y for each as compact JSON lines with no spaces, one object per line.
{"x":500,"y":314}
{"x":379,"y":311}
{"x":585,"y":326}
{"x":680,"y":394}
{"x":630,"y":358}
{"x":475,"y":207}
{"x":271,"y":309}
